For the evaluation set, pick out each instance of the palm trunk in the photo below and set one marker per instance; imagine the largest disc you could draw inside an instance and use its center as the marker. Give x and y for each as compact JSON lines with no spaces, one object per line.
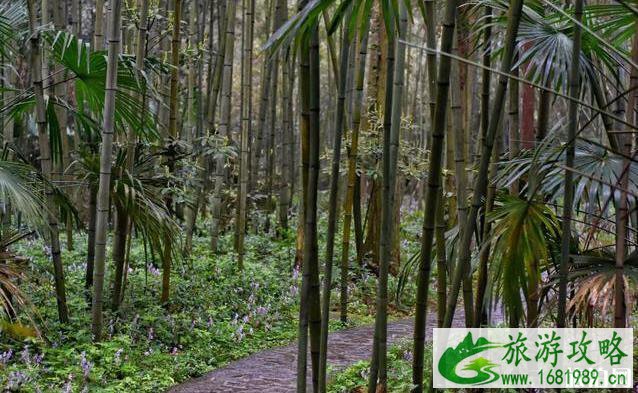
{"x":223,"y":131}
{"x":332,"y":203}
{"x":480,"y":184}
{"x":570,"y":153}
{"x":352,"y":173}
{"x":106,"y":151}
{"x":246,"y":124}
{"x":45,"y":161}
{"x":432,"y":193}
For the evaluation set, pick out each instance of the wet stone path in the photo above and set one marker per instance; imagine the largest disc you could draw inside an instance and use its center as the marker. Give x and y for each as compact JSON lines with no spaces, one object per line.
{"x":274,"y":370}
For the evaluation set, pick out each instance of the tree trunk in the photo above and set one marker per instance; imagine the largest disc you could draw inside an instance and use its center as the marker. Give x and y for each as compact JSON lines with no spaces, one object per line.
{"x":352,"y":173}
{"x":98,"y":25}
{"x":433,"y":192}
{"x":119,"y":254}
{"x":480,"y":184}
{"x":106,"y":151}
{"x":570,"y":153}
{"x":45,"y":161}
{"x":167,"y":252}
{"x":332,"y":203}
{"x":309,"y":311}
{"x":480,"y":314}
{"x":246,"y":124}
{"x":266,"y":75}
{"x":622,"y":215}
{"x":395,"y":75}
{"x":224,"y":124}
{"x":90,"y":252}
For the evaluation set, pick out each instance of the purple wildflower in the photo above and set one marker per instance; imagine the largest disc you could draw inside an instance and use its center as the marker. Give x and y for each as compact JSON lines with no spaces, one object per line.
{"x":6,"y":356}
{"x":86,"y":365}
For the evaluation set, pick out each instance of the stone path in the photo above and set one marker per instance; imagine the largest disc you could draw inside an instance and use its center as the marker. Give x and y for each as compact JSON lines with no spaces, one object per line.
{"x":274,"y":370}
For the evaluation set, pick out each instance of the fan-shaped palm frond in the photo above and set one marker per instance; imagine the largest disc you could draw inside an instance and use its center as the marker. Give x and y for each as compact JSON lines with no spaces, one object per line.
{"x":593,"y":277}
{"x":138,"y":191}
{"x":596,"y":173}
{"x":13,"y":22}
{"x":88,"y":71}
{"x":520,"y":238}
{"x":545,"y":40}
{"x":22,"y":186}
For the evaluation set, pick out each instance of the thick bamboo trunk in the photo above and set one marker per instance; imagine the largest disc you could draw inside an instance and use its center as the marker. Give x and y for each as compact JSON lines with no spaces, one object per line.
{"x":395,"y":79}
{"x":339,"y":126}
{"x":433,"y":191}
{"x":98,"y":25}
{"x":45,"y":161}
{"x":106,"y":151}
{"x":480,"y":183}
{"x":309,"y":311}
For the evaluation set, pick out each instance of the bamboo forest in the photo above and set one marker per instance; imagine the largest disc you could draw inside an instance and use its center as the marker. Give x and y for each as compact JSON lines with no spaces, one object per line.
{"x":302,"y":195}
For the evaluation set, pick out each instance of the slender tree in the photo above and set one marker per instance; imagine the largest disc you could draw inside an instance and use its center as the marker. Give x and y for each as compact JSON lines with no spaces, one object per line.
{"x":395,"y":74}
{"x":106,"y":152}
{"x":246,"y":123}
{"x":167,"y":252}
{"x":45,"y":160}
{"x":339,"y":119}
{"x":480,"y":183}
{"x":224,"y":124}
{"x":433,"y":191}
{"x":570,"y":154}
{"x":352,"y":171}
{"x":480,"y":311}
{"x":309,"y":310}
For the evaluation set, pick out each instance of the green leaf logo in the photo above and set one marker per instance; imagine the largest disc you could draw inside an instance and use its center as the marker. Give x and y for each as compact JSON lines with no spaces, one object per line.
{"x":453,"y":357}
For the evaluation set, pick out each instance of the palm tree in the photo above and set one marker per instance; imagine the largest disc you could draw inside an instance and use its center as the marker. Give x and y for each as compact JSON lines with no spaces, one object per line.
{"x":106,"y":151}
{"x":45,"y":160}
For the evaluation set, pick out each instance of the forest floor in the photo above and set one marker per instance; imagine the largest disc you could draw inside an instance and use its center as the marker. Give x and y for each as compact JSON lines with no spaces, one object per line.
{"x":274,"y":370}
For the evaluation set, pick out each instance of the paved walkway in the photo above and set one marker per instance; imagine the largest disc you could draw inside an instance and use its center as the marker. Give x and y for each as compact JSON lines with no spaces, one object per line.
{"x":274,"y":370}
